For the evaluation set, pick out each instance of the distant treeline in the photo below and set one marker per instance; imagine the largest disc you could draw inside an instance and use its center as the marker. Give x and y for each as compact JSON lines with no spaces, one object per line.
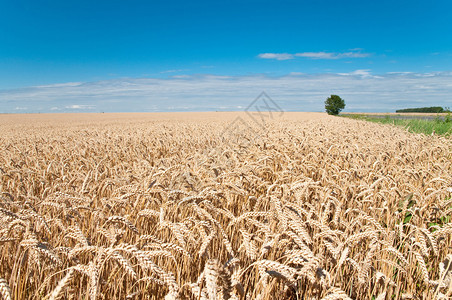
{"x":433,"y":109}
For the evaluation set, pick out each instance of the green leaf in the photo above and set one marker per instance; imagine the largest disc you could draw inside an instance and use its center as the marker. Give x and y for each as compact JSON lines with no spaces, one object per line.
{"x":408,"y":217}
{"x":445,"y":219}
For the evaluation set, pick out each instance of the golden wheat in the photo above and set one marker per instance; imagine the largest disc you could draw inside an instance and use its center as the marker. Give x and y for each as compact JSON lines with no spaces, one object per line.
{"x":162,"y":206}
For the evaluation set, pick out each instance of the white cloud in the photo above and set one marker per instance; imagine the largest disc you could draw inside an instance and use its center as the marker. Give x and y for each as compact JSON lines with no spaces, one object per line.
{"x":400,"y":73}
{"x":316,"y":55}
{"x":77,"y":106}
{"x":332,"y":55}
{"x":277,"y":56}
{"x":363,"y":73}
{"x":59,"y":85}
{"x":362,"y":91}
{"x":354,"y":53}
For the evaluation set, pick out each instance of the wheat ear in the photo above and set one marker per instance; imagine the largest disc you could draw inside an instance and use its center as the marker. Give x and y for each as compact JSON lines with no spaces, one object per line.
{"x":5,"y":290}
{"x":61,"y":284}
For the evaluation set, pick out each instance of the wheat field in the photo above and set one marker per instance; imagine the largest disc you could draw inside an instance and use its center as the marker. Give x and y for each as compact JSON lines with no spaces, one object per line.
{"x":185,"y":206}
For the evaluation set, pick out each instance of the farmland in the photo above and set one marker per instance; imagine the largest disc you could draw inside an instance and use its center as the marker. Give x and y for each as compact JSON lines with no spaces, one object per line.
{"x":186,"y":206}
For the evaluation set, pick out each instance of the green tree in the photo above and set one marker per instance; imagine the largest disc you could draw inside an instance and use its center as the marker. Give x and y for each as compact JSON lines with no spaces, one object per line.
{"x":334,"y":104}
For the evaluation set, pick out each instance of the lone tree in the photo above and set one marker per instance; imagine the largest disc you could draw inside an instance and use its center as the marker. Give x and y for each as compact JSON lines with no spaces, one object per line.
{"x":334,"y":104}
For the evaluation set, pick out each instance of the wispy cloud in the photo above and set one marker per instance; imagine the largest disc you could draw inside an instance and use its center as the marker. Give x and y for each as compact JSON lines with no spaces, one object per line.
{"x":78,"y":106}
{"x":61,"y":84}
{"x":361,"y":89}
{"x":354,"y":53}
{"x":317,"y":55}
{"x":332,"y":55}
{"x":277,"y":56}
{"x":362,"y":73}
{"x":174,"y":71}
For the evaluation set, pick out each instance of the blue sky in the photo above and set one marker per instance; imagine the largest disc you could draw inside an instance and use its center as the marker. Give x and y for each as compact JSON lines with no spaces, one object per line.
{"x":198,"y":55}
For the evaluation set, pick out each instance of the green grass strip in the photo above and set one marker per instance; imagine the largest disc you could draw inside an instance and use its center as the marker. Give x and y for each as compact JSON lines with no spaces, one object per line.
{"x":437,"y":126}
